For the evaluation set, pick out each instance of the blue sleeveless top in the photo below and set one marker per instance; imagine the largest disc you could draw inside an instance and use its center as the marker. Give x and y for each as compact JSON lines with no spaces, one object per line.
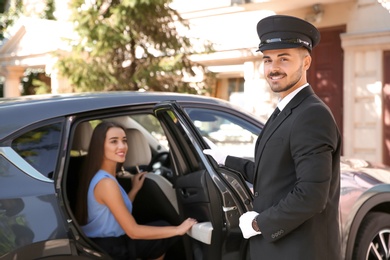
{"x":101,"y":222}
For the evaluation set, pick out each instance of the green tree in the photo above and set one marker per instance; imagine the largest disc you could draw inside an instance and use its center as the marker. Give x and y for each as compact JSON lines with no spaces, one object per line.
{"x":131,"y":45}
{"x":11,"y":10}
{"x":48,"y":12}
{"x":9,"y":15}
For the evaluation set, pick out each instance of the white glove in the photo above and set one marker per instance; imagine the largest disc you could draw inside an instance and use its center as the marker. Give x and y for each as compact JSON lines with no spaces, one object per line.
{"x":215,"y":152}
{"x":246,"y":224}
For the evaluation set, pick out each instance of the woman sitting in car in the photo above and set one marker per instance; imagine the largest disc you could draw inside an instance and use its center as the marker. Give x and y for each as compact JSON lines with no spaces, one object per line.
{"x":104,"y":209}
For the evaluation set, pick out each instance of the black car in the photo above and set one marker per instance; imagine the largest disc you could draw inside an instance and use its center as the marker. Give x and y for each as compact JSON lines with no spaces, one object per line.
{"x":44,"y":140}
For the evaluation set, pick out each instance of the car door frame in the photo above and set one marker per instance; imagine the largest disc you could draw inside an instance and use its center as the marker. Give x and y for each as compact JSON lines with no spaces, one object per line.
{"x":236,"y":199}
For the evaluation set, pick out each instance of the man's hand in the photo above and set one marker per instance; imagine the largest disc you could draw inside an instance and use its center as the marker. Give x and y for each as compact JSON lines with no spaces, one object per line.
{"x":215,"y":152}
{"x":246,"y":224}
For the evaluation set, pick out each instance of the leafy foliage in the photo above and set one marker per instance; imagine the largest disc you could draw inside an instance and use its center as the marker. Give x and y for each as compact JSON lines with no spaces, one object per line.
{"x":35,"y":81}
{"x":48,"y":12}
{"x":130,"y":45}
{"x":8,"y":17}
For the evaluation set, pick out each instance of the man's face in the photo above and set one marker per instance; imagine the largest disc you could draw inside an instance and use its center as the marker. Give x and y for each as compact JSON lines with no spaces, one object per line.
{"x":285,"y":69}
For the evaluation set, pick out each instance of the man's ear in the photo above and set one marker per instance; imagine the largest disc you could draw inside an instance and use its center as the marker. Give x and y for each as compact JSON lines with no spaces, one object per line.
{"x":307,"y":62}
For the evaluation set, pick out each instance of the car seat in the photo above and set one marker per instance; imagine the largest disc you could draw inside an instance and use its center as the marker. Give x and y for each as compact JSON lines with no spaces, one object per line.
{"x":157,"y":198}
{"x":80,"y":144}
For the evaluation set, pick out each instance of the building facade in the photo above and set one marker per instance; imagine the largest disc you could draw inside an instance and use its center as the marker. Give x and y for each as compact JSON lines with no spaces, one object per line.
{"x":351,"y":72}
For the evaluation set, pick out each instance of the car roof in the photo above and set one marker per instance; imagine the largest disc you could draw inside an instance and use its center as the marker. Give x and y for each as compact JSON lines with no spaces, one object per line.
{"x":19,"y":112}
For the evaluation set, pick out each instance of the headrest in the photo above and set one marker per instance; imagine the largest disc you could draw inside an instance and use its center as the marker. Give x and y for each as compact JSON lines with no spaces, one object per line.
{"x":82,"y":138}
{"x":139,"y":152}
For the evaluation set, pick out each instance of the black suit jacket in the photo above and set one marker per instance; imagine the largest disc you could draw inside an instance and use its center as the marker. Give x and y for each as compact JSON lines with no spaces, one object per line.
{"x":296,"y":178}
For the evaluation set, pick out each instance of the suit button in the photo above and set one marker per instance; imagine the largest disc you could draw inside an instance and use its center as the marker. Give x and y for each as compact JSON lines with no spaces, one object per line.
{"x":256,"y":194}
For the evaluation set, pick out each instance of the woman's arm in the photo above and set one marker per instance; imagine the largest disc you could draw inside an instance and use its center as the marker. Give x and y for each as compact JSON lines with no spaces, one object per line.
{"x":108,"y":193}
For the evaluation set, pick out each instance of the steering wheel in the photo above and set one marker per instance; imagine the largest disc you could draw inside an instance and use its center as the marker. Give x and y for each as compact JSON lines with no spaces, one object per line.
{"x":160,"y":164}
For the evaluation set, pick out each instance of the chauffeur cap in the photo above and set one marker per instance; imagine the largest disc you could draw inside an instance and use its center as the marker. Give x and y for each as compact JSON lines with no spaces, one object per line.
{"x":283,"y":32}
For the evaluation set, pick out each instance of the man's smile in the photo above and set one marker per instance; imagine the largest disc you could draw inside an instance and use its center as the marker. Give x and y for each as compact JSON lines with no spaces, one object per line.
{"x":276,"y":76}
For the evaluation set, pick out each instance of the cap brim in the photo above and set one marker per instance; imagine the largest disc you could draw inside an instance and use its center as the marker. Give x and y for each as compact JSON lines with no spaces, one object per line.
{"x":280,"y":45}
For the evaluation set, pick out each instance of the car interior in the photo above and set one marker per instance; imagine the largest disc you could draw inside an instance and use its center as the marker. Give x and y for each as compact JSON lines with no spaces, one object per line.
{"x":178,"y":184}
{"x":157,"y":200}
{"x":80,"y":145}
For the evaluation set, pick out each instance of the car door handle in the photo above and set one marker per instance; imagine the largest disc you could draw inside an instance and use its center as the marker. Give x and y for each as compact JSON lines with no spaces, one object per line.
{"x":185,"y":193}
{"x":226,"y":209}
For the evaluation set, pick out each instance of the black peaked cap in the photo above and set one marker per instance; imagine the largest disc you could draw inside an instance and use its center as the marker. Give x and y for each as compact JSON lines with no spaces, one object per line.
{"x":283,"y":32}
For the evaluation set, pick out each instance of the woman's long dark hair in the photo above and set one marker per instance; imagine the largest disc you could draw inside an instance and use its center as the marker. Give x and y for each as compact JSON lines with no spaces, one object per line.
{"x":91,"y":166}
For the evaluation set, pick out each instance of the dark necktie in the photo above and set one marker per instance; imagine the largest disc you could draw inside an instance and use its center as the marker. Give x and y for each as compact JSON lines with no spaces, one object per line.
{"x":274,"y":115}
{"x":270,"y":120}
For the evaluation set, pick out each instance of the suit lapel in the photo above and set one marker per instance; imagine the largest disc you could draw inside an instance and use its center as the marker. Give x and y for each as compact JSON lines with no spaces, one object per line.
{"x":270,"y":128}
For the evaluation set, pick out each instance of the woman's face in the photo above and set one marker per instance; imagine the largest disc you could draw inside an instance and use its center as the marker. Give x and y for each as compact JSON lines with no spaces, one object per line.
{"x":115,"y":145}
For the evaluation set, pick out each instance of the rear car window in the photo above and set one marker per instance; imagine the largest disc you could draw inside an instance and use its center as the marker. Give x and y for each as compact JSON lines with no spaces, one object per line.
{"x":39,"y":147}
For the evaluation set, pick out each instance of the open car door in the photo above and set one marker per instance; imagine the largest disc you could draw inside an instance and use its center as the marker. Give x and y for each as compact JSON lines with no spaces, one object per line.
{"x":215,"y":196}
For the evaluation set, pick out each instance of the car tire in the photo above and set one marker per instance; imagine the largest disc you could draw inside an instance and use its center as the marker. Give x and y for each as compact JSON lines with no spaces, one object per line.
{"x":373,"y":238}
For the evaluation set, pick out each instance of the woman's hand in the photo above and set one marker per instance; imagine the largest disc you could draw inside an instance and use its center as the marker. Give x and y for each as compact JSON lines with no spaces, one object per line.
{"x":137,"y":183}
{"x":185,"y":226}
{"x":138,"y":180}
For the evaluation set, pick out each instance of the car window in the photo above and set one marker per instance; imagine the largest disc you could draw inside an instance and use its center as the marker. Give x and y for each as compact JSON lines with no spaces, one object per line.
{"x":153,"y":126}
{"x":187,"y":159}
{"x":39,"y":147}
{"x":236,"y":136}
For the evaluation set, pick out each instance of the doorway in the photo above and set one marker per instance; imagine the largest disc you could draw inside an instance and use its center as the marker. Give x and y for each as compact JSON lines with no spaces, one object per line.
{"x":326,"y":72}
{"x":386,"y":108}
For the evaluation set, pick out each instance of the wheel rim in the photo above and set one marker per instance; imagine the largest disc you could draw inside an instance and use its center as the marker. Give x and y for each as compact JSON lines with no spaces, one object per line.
{"x":379,"y":247}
